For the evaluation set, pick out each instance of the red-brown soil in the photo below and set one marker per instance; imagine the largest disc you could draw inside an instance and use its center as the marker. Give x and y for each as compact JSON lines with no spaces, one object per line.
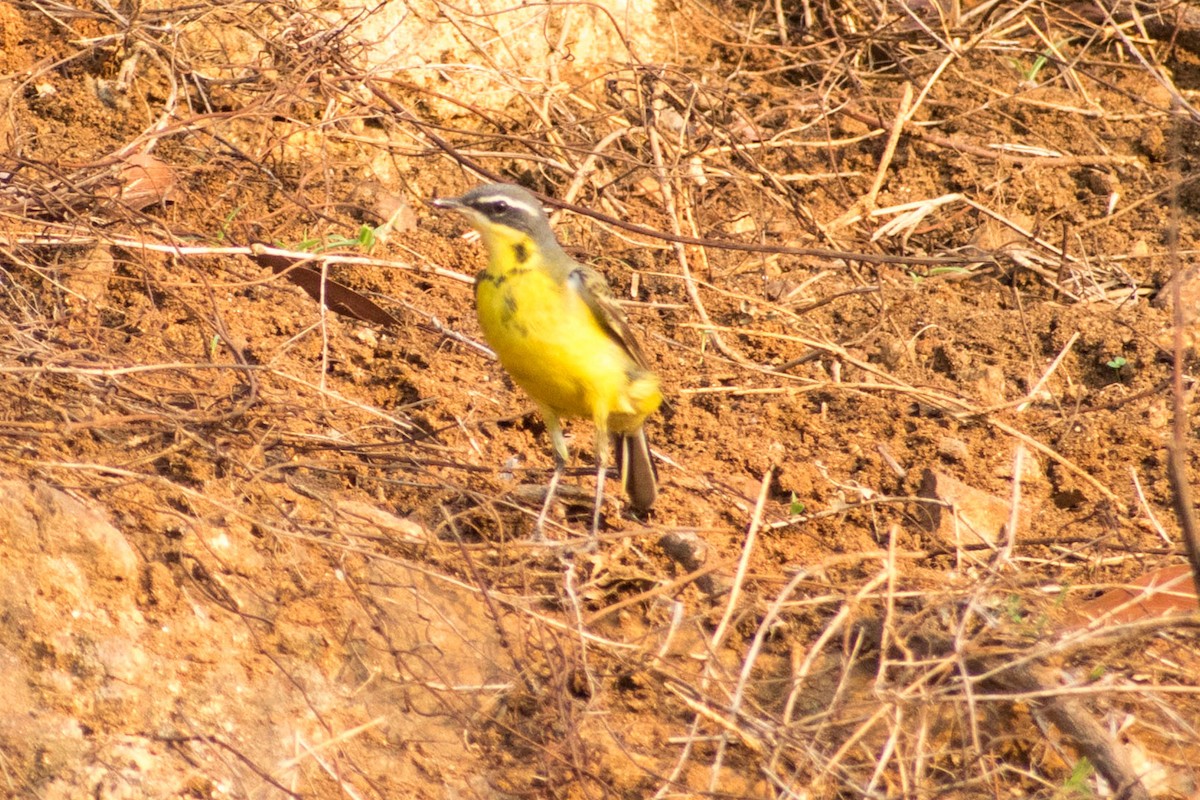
{"x":254,"y":549}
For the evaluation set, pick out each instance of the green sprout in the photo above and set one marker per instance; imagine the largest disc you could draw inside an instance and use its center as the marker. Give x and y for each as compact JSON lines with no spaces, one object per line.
{"x":1012,"y":609}
{"x":364,"y":240}
{"x":1116,"y":363}
{"x":223,"y":231}
{"x":1076,"y":784}
{"x":1039,"y":63}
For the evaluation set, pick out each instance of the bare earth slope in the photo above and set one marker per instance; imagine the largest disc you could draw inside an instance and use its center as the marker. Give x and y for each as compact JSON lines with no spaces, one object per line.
{"x":900,"y":268}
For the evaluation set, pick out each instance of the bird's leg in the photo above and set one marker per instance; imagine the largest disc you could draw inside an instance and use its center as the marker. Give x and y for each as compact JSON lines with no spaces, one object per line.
{"x":560,"y":464}
{"x":601,"y":473}
{"x":551,"y":490}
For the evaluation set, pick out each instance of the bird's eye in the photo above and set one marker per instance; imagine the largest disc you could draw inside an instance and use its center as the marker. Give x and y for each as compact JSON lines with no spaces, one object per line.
{"x":499,"y":206}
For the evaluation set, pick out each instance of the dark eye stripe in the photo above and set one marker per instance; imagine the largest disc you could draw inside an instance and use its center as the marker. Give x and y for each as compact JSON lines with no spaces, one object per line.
{"x":499,"y":205}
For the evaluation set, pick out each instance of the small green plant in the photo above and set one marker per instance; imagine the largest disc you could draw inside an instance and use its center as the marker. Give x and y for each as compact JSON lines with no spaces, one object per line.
{"x":1012,"y":609}
{"x":1030,"y":75}
{"x":1025,"y":621}
{"x":796,"y":506}
{"x":1076,"y":785}
{"x":1116,"y":363}
{"x":223,"y":231}
{"x":364,"y":240}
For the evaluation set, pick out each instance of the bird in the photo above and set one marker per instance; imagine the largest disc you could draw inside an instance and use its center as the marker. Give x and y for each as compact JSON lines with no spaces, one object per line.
{"x":558,"y":331}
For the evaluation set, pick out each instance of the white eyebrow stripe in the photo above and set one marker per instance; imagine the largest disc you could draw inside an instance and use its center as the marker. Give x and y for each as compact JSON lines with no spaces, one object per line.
{"x":512,"y":202}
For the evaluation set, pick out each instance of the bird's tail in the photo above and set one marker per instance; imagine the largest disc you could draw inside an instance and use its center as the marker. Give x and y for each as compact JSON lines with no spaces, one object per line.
{"x":638,"y":476}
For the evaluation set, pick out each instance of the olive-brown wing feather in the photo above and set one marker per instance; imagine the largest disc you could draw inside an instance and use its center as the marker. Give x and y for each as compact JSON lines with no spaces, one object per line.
{"x":595,"y":291}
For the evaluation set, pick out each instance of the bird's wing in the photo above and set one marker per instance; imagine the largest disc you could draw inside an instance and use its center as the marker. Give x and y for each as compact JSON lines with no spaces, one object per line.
{"x":591,"y":286}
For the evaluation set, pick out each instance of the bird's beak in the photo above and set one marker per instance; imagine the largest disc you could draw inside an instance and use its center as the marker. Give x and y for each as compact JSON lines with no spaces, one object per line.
{"x":473,"y":217}
{"x":452,"y":203}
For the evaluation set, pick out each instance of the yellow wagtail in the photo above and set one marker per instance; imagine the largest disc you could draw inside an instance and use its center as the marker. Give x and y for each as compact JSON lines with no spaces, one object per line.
{"x":558,"y":331}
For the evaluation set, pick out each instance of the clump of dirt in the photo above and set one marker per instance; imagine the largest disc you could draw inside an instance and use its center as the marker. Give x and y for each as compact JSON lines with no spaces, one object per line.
{"x":268,"y":501}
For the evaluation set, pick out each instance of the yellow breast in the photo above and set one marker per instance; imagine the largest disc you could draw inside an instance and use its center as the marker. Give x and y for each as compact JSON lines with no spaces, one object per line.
{"x":549,"y":340}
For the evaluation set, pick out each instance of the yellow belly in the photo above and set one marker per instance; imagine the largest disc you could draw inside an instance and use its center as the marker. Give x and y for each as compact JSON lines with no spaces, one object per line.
{"x":547,"y":338}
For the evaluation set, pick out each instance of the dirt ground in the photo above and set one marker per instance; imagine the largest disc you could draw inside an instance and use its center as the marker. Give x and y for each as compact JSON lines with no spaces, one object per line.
{"x":900,"y":268}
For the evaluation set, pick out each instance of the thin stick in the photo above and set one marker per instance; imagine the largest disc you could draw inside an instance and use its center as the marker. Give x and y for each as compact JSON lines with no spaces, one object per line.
{"x":1177,"y":468}
{"x":1137,"y":486}
{"x":1037,"y":387}
{"x":689,"y":283}
{"x":739,"y":580}
{"x":867,"y":201}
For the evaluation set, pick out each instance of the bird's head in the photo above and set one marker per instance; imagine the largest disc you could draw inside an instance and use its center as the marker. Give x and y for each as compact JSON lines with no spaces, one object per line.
{"x":502,"y":213}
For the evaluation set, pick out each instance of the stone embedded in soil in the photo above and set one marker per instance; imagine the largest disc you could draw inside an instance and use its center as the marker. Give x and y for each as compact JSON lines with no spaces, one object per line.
{"x":117,"y":675}
{"x":369,"y":518}
{"x":973,"y":516}
{"x":953,"y":449}
{"x":43,"y":520}
{"x":1189,"y":297}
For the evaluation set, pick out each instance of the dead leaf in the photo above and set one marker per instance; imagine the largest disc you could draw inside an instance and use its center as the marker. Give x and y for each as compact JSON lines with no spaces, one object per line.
{"x":1164,"y":591}
{"x":145,"y":181}
{"x":339,"y":299}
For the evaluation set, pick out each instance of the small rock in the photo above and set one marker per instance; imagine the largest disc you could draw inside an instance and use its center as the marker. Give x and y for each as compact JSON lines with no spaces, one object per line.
{"x":145,"y":181}
{"x":953,"y":449}
{"x":1031,"y":470}
{"x":373,"y":521}
{"x":990,"y":384}
{"x":690,"y":552}
{"x":973,"y":515}
{"x":42,"y":519}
